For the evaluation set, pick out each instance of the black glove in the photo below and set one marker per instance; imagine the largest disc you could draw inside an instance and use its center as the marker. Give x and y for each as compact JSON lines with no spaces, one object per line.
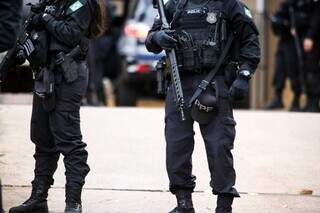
{"x":239,"y":89}
{"x":164,"y":39}
{"x":20,"y":55}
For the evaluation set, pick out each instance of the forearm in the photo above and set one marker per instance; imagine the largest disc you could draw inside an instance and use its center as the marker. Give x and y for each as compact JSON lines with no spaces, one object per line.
{"x":72,"y":28}
{"x":249,"y":56}
{"x":63,"y":31}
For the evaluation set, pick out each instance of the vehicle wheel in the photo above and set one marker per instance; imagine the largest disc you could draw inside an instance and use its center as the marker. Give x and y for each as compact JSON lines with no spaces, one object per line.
{"x":125,"y":95}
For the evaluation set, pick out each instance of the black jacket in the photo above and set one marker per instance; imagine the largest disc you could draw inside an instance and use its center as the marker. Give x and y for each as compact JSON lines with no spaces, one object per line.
{"x":10,"y":16}
{"x":240,"y":22}
{"x":69,"y":25}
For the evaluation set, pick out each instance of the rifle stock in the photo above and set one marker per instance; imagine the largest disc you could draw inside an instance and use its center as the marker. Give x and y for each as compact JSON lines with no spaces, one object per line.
{"x":175,"y":76}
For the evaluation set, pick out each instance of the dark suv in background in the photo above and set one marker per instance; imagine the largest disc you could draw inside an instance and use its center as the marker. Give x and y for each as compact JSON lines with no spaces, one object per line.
{"x":138,"y":76}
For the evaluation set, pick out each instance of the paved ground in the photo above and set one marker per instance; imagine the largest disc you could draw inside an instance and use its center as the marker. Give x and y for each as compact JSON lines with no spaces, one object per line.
{"x":277,"y":156}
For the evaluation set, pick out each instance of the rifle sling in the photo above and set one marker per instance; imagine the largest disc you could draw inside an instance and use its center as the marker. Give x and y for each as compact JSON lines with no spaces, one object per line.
{"x":180,"y":6}
{"x":205,"y":82}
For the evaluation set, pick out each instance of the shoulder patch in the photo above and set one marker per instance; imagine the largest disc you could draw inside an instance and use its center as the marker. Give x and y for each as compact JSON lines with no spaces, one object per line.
{"x":76,"y":6}
{"x":247,"y":12}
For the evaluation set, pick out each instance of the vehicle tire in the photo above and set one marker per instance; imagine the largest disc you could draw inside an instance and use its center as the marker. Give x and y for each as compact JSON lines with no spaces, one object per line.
{"x":125,"y":95}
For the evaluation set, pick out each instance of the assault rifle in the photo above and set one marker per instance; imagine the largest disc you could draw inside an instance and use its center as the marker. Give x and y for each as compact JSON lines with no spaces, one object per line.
{"x":175,"y":76}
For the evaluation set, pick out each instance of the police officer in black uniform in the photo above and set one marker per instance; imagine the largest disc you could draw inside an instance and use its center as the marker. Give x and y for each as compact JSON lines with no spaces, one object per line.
{"x":55,"y":122}
{"x":200,"y":29}
{"x":305,"y":14}
{"x":286,"y":60}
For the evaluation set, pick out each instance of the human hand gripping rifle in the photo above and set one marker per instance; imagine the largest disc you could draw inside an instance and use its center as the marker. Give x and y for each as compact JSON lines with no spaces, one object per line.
{"x":175,"y":76}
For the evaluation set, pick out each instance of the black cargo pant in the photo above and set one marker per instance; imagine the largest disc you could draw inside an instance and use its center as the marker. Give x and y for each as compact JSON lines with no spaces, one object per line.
{"x":58,"y":132}
{"x":287,"y":65}
{"x":218,"y":137}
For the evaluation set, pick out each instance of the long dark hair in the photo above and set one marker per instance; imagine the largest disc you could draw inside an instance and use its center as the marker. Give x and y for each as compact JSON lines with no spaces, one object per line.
{"x":98,"y":25}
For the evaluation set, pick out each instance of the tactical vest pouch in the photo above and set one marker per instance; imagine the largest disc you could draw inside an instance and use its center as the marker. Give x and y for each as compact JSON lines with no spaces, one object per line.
{"x":187,"y":52}
{"x":209,"y":55}
{"x":188,"y":59}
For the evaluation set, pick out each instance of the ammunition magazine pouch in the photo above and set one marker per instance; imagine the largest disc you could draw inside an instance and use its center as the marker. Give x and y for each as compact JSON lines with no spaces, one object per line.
{"x":210,"y":54}
{"x":196,"y":56}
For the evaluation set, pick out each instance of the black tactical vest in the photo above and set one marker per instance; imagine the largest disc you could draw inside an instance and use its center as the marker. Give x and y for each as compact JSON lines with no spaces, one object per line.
{"x":201,"y":31}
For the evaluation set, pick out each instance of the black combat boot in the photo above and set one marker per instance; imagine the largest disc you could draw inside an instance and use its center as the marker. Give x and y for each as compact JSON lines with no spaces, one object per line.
{"x":224,"y":204}
{"x":184,"y":201}
{"x":276,"y":103}
{"x":312,"y":105}
{"x":295,"y":105}
{"x":37,"y":203}
{"x":73,"y":200}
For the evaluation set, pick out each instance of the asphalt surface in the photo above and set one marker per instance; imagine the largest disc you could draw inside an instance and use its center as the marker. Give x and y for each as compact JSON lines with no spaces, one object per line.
{"x":277,"y":157}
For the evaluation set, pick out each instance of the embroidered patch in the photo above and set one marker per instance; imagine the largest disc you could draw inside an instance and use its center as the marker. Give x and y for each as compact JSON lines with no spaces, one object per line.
{"x":248,"y":12}
{"x":76,"y":6}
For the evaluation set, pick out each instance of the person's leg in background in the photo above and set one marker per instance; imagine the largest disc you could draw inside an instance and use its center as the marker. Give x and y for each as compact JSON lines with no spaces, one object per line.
{"x":312,"y":79}
{"x":295,"y":74}
{"x":279,"y":78}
